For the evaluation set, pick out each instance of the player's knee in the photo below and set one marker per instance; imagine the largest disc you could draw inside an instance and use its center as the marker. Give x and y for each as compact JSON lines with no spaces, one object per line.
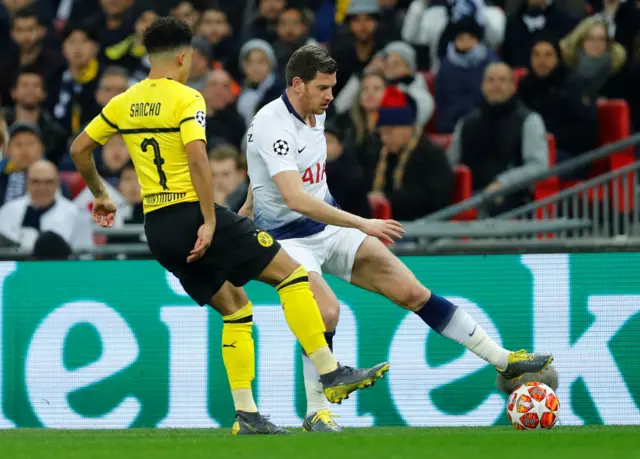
{"x":414,"y":297}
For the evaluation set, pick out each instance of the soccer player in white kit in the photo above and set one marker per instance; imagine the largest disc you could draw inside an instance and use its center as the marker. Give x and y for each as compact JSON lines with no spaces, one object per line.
{"x":289,"y":198}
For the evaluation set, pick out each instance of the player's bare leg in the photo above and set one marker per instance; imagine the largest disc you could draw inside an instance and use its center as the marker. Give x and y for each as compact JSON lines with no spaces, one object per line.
{"x":378,"y":270}
{"x":319,"y":417}
{"x":239,"y":360}
{"x":303,"y":316}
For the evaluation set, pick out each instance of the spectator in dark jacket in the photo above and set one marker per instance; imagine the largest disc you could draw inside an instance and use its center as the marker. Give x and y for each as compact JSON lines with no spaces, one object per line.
{"x":215,"y":28}
{"x":345,"y":177}
{"x":410,"y":171}
{"x":531,"y":19}
{"x":224,"y":123}
{"x":461,"y":72}
{"x":561,"y":98}
{"x":130,"y":53}
{"x":112,"y":24}
{"x":263,"y":26}
{"x":29,"y":95}
{"x":76,"y":104}
{"x":354,"y":52}
{"x":293,"y":32}
{"x":502,"y":142}
{"x":28,"y":49}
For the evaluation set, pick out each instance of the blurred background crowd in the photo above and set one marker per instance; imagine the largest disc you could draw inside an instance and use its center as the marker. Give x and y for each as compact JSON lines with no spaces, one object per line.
{"x":429,"y":93}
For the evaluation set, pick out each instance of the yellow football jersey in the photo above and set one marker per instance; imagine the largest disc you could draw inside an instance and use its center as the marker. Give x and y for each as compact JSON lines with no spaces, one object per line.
{"x":156,"y":119}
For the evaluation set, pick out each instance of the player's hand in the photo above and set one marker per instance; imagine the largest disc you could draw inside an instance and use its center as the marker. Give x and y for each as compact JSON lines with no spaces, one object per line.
{"x":103,"y":211}
{"x":385,"y":230}
{"x":205,"y":235}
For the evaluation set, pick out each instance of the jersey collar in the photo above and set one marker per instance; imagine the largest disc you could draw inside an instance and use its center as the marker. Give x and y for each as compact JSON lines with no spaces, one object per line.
{"x":292,"y":110}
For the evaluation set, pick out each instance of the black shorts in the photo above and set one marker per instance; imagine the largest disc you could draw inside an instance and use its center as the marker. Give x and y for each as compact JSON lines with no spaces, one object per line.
{"x":239,"y":250}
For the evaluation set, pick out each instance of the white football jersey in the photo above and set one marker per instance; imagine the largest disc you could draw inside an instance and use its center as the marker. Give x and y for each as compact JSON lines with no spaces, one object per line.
{"x":278,"y":140}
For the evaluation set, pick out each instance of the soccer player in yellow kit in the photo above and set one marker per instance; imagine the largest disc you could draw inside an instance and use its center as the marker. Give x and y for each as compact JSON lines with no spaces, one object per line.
{"x":211,"y":250}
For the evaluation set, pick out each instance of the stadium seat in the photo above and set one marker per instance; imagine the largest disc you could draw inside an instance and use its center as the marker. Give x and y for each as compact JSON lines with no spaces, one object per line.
{"x":74,"y":182}
{"x":463,"y":191}
{"x":615,"y":124}
{"x":380,"y":208}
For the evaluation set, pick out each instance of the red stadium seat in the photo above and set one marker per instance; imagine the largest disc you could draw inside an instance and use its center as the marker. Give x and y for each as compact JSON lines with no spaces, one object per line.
{"x":615,"y":125}
{"x":74,"y":182}
{"x":463,"y":191}
{"x":380,"y":208}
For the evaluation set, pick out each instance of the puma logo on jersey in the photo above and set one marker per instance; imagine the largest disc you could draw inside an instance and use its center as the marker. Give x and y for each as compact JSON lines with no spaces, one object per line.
{"x":233,"y":345}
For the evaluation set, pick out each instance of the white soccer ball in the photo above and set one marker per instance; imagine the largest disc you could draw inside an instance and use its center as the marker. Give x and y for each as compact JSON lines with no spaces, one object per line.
{"x":533,"y":405}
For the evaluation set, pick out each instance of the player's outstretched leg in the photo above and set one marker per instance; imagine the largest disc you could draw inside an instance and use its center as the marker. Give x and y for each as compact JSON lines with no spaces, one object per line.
{"x":319,"y":417}
{"x":239,"y":360}
{"x":303,"y":316}
{"x":376,"y":269}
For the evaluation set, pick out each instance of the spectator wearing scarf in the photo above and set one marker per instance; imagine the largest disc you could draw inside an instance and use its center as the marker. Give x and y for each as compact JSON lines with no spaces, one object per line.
{"x":410,"y":171}
{"x":561,"y":98}
{"x":459,"y":81}
{"x":590,"y":51}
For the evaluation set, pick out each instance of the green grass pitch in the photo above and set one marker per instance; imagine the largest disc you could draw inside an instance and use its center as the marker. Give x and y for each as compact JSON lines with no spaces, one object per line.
{"x":384,"y":443}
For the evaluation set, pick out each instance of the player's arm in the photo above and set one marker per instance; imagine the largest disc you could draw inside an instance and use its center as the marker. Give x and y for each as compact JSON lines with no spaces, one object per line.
{"x":202,"y":178}
{"x":82,"y":155}
{"x":297,"y":199}
{"x":247,"y":208}
{"x":97,"y":132}
{"x":277,"y":148}
{"x":194,"y":138}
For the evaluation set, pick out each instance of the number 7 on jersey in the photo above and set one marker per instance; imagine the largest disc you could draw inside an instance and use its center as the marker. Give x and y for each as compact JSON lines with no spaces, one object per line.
{"x":157,"y":159}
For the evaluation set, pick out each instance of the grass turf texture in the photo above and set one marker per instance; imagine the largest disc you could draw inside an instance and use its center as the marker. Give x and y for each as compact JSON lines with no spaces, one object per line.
{"x":387,"y":443}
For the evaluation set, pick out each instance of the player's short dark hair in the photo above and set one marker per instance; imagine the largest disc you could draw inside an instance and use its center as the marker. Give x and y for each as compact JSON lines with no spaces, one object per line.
{"x":166,"y":34}
{"x":307,"y":62}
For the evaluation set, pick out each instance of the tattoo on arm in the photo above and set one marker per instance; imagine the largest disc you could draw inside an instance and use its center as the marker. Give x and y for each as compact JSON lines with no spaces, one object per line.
{"x":87,"y":168}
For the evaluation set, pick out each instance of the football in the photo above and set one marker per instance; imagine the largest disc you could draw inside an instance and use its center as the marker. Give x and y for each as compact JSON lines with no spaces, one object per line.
{"x":533,"y":405}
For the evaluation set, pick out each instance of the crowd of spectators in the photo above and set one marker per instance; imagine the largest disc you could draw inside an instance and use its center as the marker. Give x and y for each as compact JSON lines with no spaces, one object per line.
{"x":61,"y":61}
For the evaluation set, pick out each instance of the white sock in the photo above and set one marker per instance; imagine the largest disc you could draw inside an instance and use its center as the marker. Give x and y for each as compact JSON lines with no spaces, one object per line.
{"x":316,"y":400}
{"x":466,"y":331}
{"x":243,"y":400}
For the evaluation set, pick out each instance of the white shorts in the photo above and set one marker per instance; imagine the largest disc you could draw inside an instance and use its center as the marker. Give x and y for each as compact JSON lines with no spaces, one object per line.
{"x":331,"y":251}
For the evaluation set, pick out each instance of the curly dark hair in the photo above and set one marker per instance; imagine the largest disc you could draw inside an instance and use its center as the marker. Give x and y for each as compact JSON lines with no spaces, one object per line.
{"x":165,"y":34}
